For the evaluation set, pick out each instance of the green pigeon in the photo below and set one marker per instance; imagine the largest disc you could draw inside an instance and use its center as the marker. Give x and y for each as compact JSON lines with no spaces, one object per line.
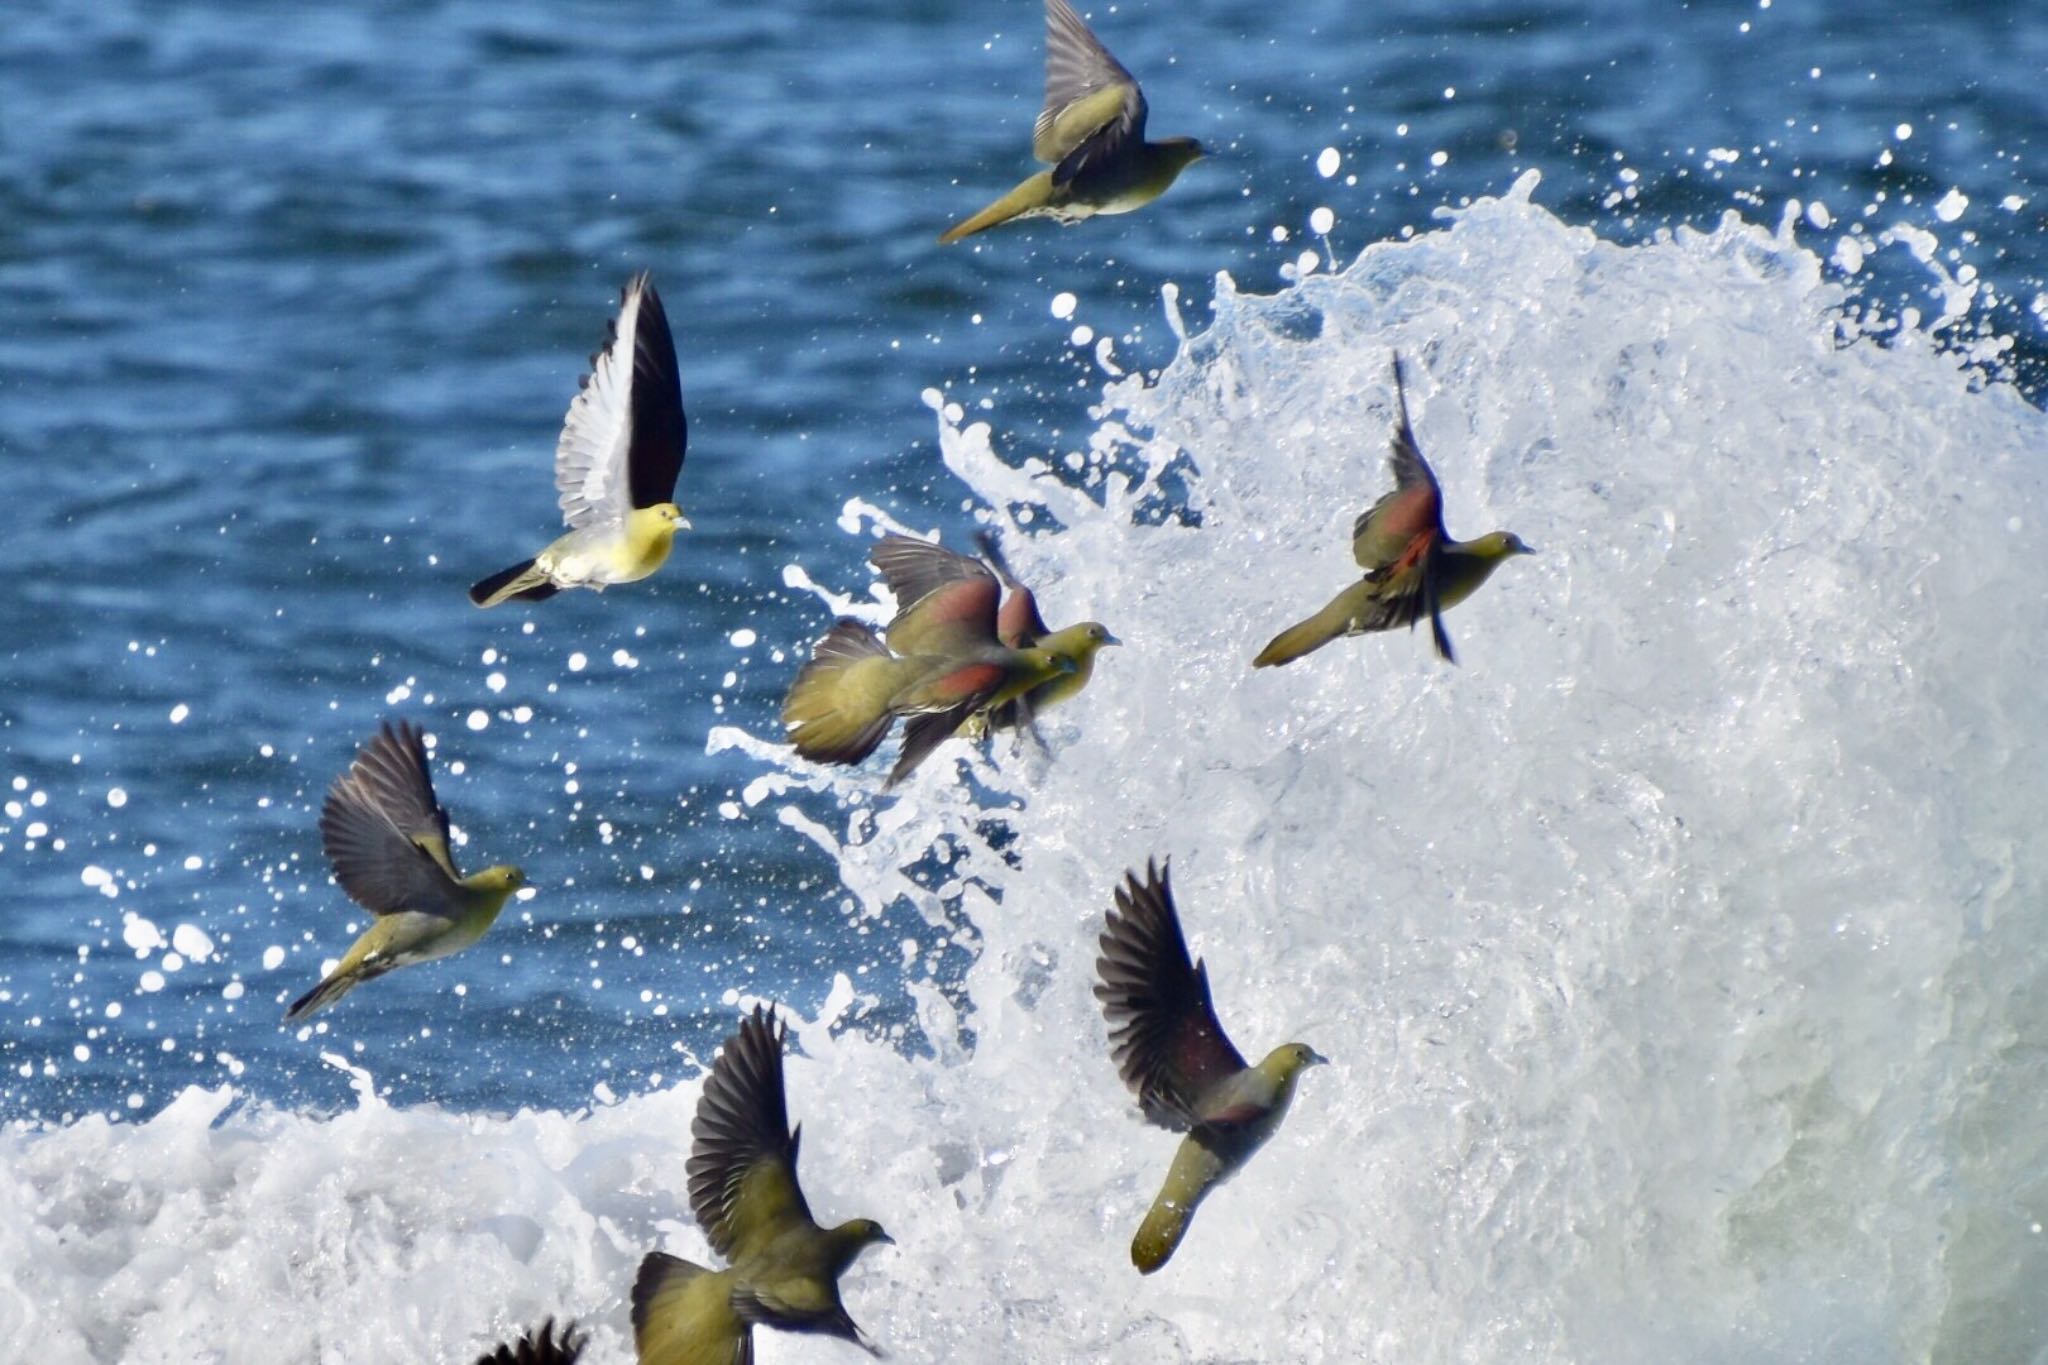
{"x":1019,"y":625}
{"x":927,"y":578}
{"x":616,"y":464}
{"x":942,"y":663}
{"x":1413,"y":569}
{"x":1092,"y":133}
{"x":782,"y":1268}
{"x":387,"y":838}
{"x":1175,"y":1057}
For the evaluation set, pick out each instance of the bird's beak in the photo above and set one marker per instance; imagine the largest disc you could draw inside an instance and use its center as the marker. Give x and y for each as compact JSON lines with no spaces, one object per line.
{"x":682,"y":522}
{"x":1528,"y":549}
{"x":1316,"y":1058}
{"x":885,"y":1239}
{"x":1109,"y":639}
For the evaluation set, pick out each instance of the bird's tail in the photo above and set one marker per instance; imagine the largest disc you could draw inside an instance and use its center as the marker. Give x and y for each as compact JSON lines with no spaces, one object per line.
{"x":837,"y":710}
{"x":526,"y":580}
{"x":1030,"y":195}
{"x":1194,"y":1173}
{"x":681,"y":1314}
{"x":1305,"y":637}
{"x":1159,"y":1235}
{"x":321,"y":996}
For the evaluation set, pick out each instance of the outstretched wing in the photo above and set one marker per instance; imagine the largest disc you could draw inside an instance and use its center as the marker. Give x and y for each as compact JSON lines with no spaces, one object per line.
{"x":1163,"y":1031}
{"x":622,"y":443}
{"x":1093,"y":107}
{"x":945,"y":602}
{"x":384,"y":832}
{"x":1400,"y":525}
{"x":1018,"y":624}
{"x":742,"y":1168}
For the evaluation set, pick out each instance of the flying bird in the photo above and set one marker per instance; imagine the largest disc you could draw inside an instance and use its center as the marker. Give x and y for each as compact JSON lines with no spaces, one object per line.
{"x":942,"y":663}
{"x":388,"y":841}
{"x":1413,"y":569}
{"x":1175,"y":1057}
{"x":616,"y":464}
{"x":928,"y":581}
{"x":1019,"y":626}
{"x":782,"y":1268}
{"x":1091,"y":132}
{"x":541,"y":1347}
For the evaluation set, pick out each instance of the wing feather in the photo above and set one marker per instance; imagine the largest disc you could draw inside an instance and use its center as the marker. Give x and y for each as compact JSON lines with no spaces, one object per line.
{"x":660,"y":432}
{"x":1388,"y":530}
{"x":1018,"y":623}
{"x":384,"y":832}
{"x":622,"y":442}
{"x":945,"y":602}
{"x":1163,"y":1031}
{"x":924,"y":733}
{"x":742,"y":1167}
{"x":540,"y":1347}
{"x":1093,"y":106}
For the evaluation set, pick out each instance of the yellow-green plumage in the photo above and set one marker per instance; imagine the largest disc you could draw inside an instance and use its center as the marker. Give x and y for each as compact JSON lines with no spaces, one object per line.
{"x":683,"y":1315}
{"x":1214,"y":1151}
{"x":1173,"y":1054}
{"x":948,"y":658}
{"x":616,"y":462}
{"x":845,"y":700}
{"x":1373,"y":604}
{"x":838,"y":708}
{"x":596,"y":557}
{"x":1020,"y":626}
{"x":941,"y":593}
{"x":1077,"y":644}
{"x":1092,"y":132}
{"x":1194,"y":1172}
{"x":1414,"y":571}
{"x":1031,"y":199}
{"x":784,"y":1269}
{"x":387,"y":838}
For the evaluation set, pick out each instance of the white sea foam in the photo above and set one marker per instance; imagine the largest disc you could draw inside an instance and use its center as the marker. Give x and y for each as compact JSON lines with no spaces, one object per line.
{"x":1681,"y":954}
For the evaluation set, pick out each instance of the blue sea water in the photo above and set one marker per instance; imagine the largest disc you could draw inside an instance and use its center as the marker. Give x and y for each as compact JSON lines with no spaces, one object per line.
{"x":1711,"y":1036}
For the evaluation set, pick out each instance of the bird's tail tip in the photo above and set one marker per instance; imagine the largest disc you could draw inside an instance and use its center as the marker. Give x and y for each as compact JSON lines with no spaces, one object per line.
{"x":829,"y":719}
{"x":1290,"y":644}
{"x":1158,"y":1236}
{"x":319,"y":998}
{"x":683,"y":1312}
{"x":1024,"y":199}
{"x":541,"y":1346}
{"x":522,"y":580}
{"x":660,"y":1275}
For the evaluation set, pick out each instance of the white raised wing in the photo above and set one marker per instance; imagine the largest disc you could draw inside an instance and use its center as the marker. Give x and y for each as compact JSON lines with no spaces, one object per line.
{"x":592,"y":469}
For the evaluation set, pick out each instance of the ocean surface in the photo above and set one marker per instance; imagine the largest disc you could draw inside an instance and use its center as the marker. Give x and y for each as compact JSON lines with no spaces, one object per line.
{"x":1683,"y":955}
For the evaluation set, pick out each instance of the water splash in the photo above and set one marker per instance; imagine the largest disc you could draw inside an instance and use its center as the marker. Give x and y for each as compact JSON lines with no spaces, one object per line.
{"x":1678,"y":954}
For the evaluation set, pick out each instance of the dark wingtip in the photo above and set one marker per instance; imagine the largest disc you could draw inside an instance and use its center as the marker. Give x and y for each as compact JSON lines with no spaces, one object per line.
{"x":992,"y":550}
{"x":541,"y":1347}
